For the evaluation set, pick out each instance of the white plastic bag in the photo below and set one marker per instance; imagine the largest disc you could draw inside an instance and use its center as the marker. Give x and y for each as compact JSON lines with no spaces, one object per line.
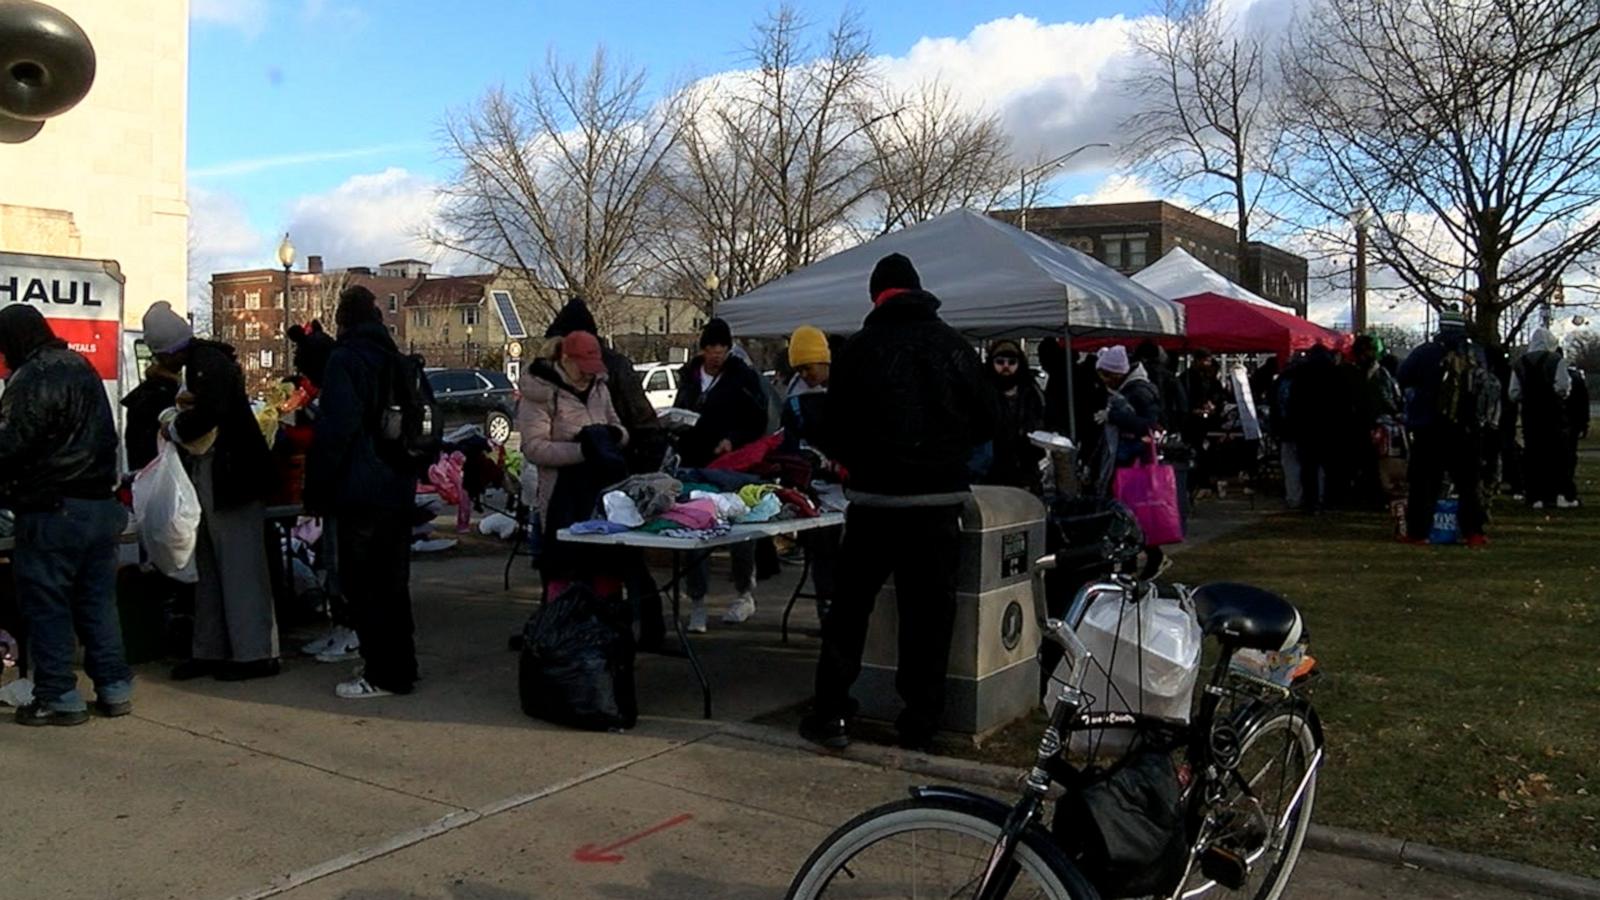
{"x":167,"y":511}
{"x":1158,"y":635}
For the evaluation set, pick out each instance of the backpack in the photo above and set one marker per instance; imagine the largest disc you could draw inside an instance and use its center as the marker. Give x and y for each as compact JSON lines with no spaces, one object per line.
{"x":409,"y":430}
{"x":1461,"y":388}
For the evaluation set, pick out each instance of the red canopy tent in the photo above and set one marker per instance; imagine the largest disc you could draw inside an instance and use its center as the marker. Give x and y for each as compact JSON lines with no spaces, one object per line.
{"x":1226,"y":325}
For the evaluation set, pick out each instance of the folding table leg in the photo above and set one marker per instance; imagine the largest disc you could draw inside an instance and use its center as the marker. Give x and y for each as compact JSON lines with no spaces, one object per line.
{"x":799,"y":591}
{"x":683,"y":635}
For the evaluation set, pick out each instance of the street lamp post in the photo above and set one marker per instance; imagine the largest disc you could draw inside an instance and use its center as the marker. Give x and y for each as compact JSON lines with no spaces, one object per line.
{"x":470,"y":363}
{"x":286,"y":259}
{"x":711,"y":284}
{"x":1038,"y":172}
{"x":1358,"y":316}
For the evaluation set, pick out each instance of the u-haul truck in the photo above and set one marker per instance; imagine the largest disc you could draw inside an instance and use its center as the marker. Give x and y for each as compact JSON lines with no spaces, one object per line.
{"x":82,"y":301}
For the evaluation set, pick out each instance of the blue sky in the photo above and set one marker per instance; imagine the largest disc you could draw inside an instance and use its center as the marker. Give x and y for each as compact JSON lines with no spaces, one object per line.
{"x":299,"y":108}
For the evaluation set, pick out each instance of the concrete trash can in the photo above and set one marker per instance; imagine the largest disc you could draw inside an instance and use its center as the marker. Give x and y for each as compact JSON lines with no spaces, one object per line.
{"x":993,"y":678}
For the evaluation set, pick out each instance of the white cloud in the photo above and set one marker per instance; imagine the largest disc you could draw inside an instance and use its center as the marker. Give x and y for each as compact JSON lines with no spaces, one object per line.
{"x":368,"y":219}
{"x":221,"y":239}
{"x":1118,"y":188}
{"x":248,"y":16}
{"x":1050,"y":84}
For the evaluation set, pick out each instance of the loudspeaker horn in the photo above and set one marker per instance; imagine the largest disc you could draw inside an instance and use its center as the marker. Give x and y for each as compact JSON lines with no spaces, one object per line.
{"x":47,"y":65}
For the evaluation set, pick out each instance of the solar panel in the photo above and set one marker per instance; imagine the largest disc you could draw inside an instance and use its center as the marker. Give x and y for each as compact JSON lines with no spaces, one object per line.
{"x":509,"y":319}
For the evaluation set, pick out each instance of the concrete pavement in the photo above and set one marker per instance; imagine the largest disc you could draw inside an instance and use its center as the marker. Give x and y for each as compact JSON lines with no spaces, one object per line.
{"x":277,"y":789}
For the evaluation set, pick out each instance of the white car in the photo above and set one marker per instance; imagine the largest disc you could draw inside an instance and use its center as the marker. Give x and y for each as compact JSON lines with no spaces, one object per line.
{"x":660,"y":382}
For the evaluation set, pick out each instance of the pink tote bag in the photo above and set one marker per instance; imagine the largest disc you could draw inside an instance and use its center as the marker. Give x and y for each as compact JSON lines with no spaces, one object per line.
{"x":1150,"y":489}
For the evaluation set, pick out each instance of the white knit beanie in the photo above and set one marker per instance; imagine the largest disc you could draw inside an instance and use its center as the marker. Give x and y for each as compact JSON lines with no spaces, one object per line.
{"x":1113,"y":360}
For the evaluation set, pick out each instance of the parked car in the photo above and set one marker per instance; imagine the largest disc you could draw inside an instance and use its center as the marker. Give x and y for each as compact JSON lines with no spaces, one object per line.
{"x":482,"y":397}
{"x":660,"y":382}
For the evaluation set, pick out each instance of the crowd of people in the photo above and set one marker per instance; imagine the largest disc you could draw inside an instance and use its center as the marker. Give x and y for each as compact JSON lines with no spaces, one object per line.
{"x":905,"y":414}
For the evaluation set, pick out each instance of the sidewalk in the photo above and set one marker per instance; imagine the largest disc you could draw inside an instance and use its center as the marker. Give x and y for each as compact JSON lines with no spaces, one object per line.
{"x":250,"y":790}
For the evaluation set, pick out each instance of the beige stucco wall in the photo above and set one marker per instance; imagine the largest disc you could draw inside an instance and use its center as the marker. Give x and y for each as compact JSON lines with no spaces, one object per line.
{"x":106,"y":179}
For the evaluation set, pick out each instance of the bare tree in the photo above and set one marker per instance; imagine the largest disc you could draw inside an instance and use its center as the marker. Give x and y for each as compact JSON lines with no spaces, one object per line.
{"x":800,"y":127}
{"x":1205,"y":122}
{"x":1470,"y":128}
{"x":553,"y":182}
{"x":932,"y":156}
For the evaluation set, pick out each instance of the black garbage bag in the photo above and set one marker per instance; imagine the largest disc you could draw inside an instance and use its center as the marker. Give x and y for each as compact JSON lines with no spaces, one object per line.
{"x":577,"y":662}
{"x":1123,"y":826}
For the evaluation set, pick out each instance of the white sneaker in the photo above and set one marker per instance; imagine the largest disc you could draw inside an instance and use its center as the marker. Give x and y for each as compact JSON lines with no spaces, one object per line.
{"x":360,"y":689}
{"x":1564,"y":503}
{"x":321,"y":644}
{"x":740,"y":610}
{"x":343,"y":646}
{"x":1538,"y":504}
{"x":697,"y":618}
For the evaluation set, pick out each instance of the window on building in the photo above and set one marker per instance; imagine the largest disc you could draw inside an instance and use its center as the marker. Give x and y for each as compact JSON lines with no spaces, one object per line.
{"x":266,"y":358}
{"x":252,"y":299}
{"x":252,"y":331}
{"x":1136,"y":256}
{"x":393,"y":303}
{"x":1113,"y":253}
{"x":230,"y":301}
{"x":469,"y":315}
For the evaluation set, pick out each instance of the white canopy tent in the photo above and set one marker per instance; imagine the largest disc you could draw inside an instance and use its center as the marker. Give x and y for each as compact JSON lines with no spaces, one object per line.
{"x":993,"y":280}
{"x":1177,"y":275}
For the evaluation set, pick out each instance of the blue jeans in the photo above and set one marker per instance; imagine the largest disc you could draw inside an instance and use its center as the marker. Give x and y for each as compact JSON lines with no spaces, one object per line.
{"x":66,"y":571}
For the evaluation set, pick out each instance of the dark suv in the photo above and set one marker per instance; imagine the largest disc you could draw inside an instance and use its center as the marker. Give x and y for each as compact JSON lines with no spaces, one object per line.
{"x":481,"y":397}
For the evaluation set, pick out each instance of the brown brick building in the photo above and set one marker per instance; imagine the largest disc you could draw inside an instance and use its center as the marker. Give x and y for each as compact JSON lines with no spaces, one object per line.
{"x":247,"y":308}
{"x":1129,"y":236}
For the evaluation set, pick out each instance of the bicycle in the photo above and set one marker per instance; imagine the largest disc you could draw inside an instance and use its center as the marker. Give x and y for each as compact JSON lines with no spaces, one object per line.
{"x":951,"y":842}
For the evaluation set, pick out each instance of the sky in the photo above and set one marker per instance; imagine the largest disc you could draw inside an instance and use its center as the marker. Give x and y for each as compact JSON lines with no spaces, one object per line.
{"x":322,"y":117}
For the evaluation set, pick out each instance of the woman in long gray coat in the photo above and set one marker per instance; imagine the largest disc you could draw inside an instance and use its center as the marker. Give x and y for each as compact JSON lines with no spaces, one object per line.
{"x":235,"y":634}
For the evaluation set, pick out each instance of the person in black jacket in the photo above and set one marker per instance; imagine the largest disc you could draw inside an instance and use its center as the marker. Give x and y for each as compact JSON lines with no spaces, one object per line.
{"x":371,"y":497}
{"x":732,"y":404}
{"x":1021,"y":412}
{"x":647,"y":445}
{"x":908,"y":402}
{"x":58,"y":469}
{"x":141,"y":428}
{"x":235,"y":632}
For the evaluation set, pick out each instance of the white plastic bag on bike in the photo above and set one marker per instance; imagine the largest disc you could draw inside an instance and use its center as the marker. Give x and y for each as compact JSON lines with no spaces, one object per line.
{"x":167,"y":511}
{"x":1146,"y":660}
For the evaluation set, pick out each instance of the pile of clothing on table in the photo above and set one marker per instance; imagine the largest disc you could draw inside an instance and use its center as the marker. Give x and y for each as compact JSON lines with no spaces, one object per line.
{"x":754,"y":484}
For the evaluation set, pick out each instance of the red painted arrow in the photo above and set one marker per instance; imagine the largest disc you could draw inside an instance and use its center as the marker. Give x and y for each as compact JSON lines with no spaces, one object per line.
{"x":589,"y":853}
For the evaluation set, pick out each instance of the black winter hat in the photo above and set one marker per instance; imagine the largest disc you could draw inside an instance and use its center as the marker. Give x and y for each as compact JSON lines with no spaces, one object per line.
{"x":574,"y":316}
{"x":716,"y":334}
{"x":893,"y":271}
{"x":312,"y":347}
{"x":23,"y":330}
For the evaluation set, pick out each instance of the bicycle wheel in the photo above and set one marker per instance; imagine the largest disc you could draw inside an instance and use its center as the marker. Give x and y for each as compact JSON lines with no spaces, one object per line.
{"x":930,"y":847}
{"x":1260,"y":816}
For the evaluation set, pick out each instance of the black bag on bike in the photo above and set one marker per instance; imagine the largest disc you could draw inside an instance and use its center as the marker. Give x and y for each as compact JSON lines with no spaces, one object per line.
{"x":577,"y":662}
{"x":1123,"y":826}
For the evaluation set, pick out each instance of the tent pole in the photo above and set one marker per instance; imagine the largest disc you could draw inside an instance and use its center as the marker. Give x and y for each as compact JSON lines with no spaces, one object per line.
{"x":1072,"y":403}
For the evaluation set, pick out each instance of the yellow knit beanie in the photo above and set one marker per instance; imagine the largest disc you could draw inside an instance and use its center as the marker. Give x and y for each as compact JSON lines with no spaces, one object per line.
{"x":808,"y":346}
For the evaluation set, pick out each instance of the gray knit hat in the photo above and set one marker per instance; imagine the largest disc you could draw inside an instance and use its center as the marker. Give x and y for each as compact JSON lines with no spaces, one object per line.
{"x":164,"y":330}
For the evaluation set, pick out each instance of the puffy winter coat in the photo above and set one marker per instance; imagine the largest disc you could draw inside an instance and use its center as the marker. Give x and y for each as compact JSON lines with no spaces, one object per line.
{"x":549,"y":416}
{"x":57,"y":437}
{"x":908,"y":402}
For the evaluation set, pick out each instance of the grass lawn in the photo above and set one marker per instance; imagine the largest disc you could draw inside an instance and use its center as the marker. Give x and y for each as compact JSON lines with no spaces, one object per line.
{"x":1461,"y":688}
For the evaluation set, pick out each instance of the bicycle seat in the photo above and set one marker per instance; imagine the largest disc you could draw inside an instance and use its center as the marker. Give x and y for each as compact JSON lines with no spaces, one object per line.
{"x":1246,"y":617}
